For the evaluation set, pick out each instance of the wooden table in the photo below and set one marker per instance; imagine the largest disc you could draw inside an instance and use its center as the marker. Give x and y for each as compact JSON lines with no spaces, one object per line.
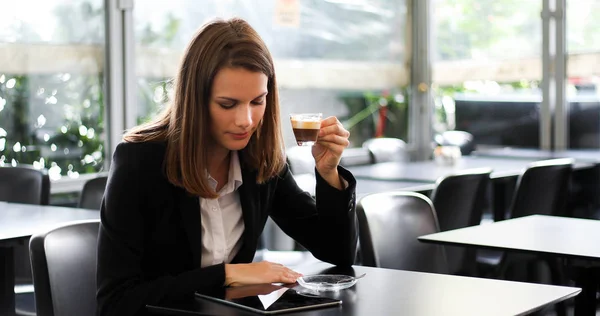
{"x":397,"y":292}
{"x":18,"y":222}
{"x":560,"y":237}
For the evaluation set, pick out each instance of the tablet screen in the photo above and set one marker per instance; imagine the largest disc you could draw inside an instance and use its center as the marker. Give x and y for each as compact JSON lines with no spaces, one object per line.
{"x":269,"y":298}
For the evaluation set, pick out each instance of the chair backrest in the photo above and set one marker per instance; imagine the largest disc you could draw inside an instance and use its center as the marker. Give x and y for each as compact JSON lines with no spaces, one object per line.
{"x":92,"y":193}
{"x":543,"y":188}
{"x":389,"y":224}
{"x":63,"y":262}
{"x":356,"y":156}
{"x":464,"y":140}
{"x":24,"y":184}
{"x":300,"y":159}
{"x":459,"y":200}
{"x":386,"y":149}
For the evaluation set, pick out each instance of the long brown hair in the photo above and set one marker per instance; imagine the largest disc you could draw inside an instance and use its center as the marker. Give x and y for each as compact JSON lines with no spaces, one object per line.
{"x":184,"y":124}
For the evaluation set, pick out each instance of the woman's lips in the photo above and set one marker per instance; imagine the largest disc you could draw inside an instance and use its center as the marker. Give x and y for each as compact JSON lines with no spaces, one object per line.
{"x":240,"y":135}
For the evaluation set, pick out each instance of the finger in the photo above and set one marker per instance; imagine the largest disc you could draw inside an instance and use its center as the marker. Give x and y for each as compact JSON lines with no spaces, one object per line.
{"x":279,"y":268}
{"x":337,"y":129}
{"x":288,"y":271}
{"x":334,"y":139}
{"x":289,"y":277}
{"x":293,"y":272}
{"x":280,"y":277}
{"x":332,"y":146}
{"x":332,"y":120}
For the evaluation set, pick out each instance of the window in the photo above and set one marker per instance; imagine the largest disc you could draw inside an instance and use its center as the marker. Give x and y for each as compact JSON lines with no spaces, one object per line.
{"x":51,"y":75}
{"x":336,"y":57}
{"x":487,"y":69}
{"x":583,"y":73}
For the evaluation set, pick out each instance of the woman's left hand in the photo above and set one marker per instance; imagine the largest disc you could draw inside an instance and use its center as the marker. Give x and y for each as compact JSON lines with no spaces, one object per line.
{"x":333,"y":139}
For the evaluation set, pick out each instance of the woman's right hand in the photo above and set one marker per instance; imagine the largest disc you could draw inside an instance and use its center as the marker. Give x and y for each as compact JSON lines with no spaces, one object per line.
{"x":258,"y":273}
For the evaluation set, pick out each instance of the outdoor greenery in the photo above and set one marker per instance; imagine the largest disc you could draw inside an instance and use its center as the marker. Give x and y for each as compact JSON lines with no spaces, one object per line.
{"x":29,"y":102}
{"x":56,"y":120}
{"x":366,"y":110}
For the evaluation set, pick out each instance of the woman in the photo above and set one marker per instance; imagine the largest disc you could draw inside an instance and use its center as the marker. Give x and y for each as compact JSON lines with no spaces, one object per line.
{"x":189,"y":192}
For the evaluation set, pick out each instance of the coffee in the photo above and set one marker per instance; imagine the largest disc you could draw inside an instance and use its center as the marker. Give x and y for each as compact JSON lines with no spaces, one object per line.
{"x":306,"y":132}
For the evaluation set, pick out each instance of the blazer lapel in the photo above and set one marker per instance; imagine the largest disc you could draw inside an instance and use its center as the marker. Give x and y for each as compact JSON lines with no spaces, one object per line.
{"x":250,"y":206}
{"x":189,"y":206}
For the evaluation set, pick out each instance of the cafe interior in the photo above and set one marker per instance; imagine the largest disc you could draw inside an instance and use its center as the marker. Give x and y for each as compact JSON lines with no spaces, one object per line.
{"x":474,"y":141}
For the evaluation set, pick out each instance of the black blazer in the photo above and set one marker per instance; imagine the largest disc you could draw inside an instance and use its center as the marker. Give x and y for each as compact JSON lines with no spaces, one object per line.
{"x":149,"y":244}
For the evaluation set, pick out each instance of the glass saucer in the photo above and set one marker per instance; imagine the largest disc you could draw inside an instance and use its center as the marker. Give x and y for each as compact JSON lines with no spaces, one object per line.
{"x":327,"y":282}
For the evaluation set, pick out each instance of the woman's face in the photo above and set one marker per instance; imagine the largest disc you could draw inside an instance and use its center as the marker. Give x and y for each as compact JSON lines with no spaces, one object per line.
{"x":237,"y":105}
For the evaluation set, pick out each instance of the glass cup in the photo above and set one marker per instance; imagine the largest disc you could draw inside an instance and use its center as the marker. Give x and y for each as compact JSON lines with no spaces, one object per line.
{"x":447,"y":155}
{"x":306,"y":127}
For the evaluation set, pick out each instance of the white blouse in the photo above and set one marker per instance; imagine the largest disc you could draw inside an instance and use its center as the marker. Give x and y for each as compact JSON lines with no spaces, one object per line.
{"x":222,"y":220}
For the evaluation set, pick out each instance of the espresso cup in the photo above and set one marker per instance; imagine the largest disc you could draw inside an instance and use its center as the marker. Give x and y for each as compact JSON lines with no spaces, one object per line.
{"x":306,"y":127}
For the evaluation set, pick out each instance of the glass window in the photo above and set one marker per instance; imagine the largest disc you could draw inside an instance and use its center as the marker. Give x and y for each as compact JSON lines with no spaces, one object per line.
{"x":341,"y":58}
{"x":51,"y":75}
{"x":487,"y":69}
{"x":583,"y":73}
{"x":583,"y":26}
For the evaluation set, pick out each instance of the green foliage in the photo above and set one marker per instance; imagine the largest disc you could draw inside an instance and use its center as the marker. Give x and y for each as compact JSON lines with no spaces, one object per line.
{"x":364,"y":115}
{"x":55,"y":119}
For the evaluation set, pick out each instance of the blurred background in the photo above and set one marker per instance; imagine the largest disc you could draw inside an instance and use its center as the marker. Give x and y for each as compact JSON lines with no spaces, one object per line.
{"x":74,"y":74}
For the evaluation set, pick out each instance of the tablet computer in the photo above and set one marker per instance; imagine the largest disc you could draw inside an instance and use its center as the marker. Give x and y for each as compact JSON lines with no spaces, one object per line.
{"x":269,"y":299}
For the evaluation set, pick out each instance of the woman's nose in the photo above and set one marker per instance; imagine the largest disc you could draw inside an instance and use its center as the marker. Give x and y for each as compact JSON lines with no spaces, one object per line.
{"x":244,"y":116}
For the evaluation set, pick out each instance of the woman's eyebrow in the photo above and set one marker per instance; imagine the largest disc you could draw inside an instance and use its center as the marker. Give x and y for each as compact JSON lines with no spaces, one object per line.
{"x":236,"y":100}
{"x":262,"y":95}
{"x":228,"y":98}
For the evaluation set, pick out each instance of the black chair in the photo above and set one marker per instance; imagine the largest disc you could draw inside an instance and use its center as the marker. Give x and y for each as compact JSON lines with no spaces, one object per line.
{"x":64,"y":269}
{"x":24,"y":184}
{"x":92,"y":193}
{"x":28,"y":185}
{"x":389,"y":224}
{"x":464,"y":140}
{"x":459,"y":200}
{"x":542,"y":189}
{"x":386,"y":149}
{"x":356,"y":156}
